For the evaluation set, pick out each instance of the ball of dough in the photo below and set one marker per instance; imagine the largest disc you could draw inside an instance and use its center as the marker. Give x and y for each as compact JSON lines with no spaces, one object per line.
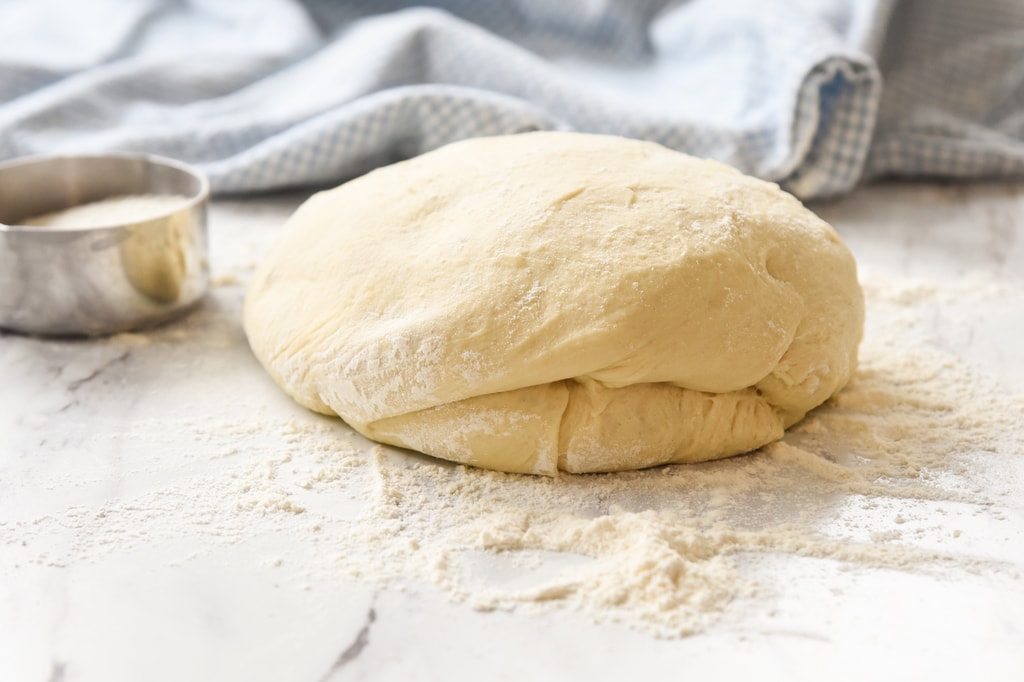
{"x":558,"y":301}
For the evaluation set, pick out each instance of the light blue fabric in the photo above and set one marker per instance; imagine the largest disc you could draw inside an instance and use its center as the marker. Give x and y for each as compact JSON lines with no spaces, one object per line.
{"x":263,"y":94}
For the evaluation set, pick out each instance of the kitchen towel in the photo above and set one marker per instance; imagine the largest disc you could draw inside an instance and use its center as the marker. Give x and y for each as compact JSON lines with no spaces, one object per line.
{"x":814,"y":94}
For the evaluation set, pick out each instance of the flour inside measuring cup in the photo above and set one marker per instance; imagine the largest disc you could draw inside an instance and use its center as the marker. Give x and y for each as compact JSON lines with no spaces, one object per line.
{"x":117,"y":210}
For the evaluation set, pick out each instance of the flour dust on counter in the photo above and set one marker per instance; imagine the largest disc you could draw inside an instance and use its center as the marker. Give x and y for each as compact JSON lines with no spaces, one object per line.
{"x":911,"y":470}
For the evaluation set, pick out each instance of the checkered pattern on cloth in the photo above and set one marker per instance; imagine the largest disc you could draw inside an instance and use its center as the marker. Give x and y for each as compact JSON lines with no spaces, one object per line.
{"x":274,"y":93}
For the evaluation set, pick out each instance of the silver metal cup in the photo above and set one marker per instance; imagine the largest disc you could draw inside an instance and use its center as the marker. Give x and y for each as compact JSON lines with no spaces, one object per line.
{"x":104,"y":279}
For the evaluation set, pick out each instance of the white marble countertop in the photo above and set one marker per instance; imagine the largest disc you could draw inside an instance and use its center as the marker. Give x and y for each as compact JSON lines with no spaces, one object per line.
{"x":116,"y":562}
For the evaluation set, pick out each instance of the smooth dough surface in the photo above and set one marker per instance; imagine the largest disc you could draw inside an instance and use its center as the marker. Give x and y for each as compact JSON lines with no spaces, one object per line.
{"x":558,"y":301}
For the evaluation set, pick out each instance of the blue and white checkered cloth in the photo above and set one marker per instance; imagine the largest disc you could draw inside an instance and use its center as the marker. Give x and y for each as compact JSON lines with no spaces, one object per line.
{"x":815,"y":94}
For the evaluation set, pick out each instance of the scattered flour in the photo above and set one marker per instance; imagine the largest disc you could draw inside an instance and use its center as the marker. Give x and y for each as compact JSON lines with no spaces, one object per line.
{"x":870,"y":481}
{"x":229,"y":279}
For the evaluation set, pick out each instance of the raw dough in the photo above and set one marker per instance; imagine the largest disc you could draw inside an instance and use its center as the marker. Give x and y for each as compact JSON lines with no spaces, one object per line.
{"x":553,"y":301}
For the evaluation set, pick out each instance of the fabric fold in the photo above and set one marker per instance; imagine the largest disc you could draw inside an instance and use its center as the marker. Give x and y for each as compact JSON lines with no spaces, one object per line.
{"x":817,"y":95}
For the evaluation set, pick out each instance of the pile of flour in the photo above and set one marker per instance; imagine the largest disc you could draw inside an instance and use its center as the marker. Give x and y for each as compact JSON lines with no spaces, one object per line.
{"x":869,"y":481}
{"x":119,"y":210}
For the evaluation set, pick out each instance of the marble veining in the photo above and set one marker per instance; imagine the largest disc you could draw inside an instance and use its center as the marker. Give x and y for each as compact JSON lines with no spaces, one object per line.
{"x":353,"y":650}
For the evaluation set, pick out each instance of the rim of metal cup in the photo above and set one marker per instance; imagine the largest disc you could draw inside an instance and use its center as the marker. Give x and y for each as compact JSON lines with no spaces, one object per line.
{"x":201,"y":195}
